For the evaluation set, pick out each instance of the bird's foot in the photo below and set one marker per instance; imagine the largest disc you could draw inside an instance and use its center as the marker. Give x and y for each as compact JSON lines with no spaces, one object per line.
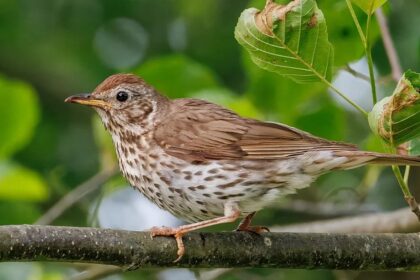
{"x":245,"y":225}
{"x":254,"y":229}
{"x":177,"y":233}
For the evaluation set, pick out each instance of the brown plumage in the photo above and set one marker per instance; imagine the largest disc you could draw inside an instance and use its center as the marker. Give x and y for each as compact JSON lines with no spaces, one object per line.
{"x":206,"y":164}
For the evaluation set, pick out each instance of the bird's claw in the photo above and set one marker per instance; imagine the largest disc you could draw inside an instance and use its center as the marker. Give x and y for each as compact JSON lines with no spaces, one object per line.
{"x":254,"y":229}
{"x":176,"y":233}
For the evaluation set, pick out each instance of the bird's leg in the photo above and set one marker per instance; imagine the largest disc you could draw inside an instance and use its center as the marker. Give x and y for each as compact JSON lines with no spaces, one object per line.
{"x":245,"y":225}
{"x":231,"y":214}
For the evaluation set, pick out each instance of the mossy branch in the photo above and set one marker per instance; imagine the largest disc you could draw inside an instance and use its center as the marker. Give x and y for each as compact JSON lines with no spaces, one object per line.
{"x":132,"y":250}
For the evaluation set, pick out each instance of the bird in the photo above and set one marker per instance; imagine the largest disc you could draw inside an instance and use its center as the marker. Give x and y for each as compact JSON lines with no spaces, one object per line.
{"x":207,"y":165}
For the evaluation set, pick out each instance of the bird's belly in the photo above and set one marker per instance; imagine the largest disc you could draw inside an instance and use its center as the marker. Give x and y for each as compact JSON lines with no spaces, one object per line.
{"x":199,"y":192}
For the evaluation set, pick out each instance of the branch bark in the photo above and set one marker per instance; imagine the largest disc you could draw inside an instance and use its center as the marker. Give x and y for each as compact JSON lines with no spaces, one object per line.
{"x":131,"y":250}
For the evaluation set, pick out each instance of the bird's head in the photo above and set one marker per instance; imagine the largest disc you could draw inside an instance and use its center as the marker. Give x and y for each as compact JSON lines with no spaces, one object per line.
{"x":124,"y":102}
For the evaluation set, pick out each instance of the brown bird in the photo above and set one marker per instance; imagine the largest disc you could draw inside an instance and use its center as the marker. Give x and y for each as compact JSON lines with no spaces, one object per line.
{"x":204,"y":163}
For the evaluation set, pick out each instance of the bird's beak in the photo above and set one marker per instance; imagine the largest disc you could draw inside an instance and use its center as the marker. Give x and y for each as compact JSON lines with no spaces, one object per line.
{"x":87,"y":99}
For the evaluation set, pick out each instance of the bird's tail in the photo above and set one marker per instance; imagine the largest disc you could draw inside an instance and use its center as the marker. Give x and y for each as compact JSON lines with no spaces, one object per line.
{"x":358,"y":158}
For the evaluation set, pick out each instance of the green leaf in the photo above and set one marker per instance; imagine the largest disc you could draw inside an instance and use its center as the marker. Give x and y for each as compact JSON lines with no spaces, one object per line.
{"x":290,"y":40}
{"x":177,"y":75}
{"x":19,"y":183}
{"x":19,"y":114}
{"x":369,"y":6}
{"x":396,"y":118}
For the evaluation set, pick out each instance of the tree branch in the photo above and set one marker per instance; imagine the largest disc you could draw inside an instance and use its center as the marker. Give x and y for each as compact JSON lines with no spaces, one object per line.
{"x":131,"y":250}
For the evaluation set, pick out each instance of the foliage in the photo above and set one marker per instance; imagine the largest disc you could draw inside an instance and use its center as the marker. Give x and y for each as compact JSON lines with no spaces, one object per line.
{"x":396,"y":118}
{"x":291,"y":40}
{"x":369,"y":6}
{"x":18,"y":106}
{"x":19,"y":114}
{"x":186,"y":49}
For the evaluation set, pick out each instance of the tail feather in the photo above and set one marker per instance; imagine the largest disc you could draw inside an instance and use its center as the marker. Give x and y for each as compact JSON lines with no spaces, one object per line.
{"x":389,"y":159}
{"x":357,"y":158}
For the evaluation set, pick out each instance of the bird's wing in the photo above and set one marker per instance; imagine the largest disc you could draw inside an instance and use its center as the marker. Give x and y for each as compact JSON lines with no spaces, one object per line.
{"x":197,"y":130}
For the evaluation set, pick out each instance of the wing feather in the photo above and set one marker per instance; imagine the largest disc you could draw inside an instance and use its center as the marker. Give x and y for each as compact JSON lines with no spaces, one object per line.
{"x":196,"y":130}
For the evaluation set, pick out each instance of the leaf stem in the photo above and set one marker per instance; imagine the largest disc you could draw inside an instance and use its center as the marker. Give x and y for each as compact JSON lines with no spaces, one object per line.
{"x":400,"y":179}
{"x":366,"y":45}
{"x":356,"y":22}
{"x":370,"y":61}
{"x":407,"y":173}
{"x":324,"y":80}
{"x":357,"y":107}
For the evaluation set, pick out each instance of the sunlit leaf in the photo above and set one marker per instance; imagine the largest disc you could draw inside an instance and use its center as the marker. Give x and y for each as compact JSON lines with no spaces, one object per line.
{"x":18,"y":115}
{"x":290,"y":40}
{"x":177,"y":75}
{"x":369,"y":6}
{"x":20,"y":183}
{"x":341,"y":30}
{"x":396,"y":118}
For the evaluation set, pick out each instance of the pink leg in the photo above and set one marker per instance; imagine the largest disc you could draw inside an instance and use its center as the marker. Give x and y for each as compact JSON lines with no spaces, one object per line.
{"x":230,"y":216}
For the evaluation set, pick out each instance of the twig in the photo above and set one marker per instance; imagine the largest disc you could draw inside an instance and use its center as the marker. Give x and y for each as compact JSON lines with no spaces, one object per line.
{"x":411,"y":201}
{"x":97,"y":271}
{"x":396,"y":221}
{"x":389,"y":45}
{"x":131,"y":250}
{"x":364,"y":37}
{"x":396,"y":75}
{"x":324,"y":209}
{"x":75,"y":195}
{"x":355,"y":73}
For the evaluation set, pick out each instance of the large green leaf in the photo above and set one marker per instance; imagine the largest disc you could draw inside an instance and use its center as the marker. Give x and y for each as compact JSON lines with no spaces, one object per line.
{"x":396,"y":118}
{"x":341,"y":30}
{"x":18,"y":115}
{"x":19,"y":183}
{"x":177,"y":75}
{"x":290,"y":40}
{"x":369,"y":6}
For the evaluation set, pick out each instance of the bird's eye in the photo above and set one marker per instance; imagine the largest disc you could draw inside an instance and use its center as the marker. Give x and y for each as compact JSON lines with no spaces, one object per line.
{"x":122,"y":96}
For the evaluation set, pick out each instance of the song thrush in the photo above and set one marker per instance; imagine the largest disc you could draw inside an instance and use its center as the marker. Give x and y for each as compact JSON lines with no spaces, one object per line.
{"x":204,"y":163}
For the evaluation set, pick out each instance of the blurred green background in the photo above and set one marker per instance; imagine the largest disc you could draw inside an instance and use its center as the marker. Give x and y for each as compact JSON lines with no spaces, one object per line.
{"x":50,"y":49}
